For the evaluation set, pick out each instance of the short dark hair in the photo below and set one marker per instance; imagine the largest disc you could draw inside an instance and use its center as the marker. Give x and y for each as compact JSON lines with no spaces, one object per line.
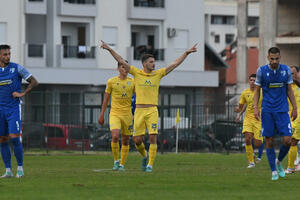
{"x":119,"y":64}
{"x":4,"y":46}
{"x":296,"y":67}
{"x":146,"y":56}
{"x":252,"y":76}
{"x":274,"y":50}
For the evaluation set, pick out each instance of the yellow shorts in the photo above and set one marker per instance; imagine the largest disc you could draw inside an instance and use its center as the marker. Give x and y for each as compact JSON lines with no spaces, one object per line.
{"x":296,"y":129}
{"x":145,"y":118}
{"x":123,"y":123}
{"x":253,"y":126}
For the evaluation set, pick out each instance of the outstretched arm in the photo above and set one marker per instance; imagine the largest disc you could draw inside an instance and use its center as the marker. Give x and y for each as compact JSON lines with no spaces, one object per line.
{"x":103,"y":109}
{"x":116,"y":56}
{"x":32,"y":84}
{"x":179,"y":60}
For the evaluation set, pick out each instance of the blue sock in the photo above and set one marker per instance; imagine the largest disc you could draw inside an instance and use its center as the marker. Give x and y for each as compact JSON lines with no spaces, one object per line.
{"x":18,"y":150}
{"x":271,"y":158}
{"x":6,"y":156}
{"x":283,"y":151}
{"x":261,"y":150}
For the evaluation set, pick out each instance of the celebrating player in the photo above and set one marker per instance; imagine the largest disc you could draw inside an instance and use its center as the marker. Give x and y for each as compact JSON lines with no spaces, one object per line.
{"x":146,"y":114}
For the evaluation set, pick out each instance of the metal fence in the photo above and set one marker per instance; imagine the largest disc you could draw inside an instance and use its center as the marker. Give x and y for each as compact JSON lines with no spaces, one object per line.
{"x":67,"y":122}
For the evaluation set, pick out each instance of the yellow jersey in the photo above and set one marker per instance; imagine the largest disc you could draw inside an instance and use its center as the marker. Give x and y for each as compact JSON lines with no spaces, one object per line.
{"x":121,"y":92}
{"x":296,"y":94}
{"x":147,"y":85}
{"x":247,"y":98}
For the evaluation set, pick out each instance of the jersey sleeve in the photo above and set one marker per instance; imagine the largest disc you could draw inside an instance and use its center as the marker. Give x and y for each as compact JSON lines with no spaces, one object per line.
{"x":162,"y":72}
{"x":133,"y":70}
{"x":108,"y":87}
{"x":23,"y":72}
{"x":290,"y":77}
{"x":242,"y":98}
{"x":258,"y":77}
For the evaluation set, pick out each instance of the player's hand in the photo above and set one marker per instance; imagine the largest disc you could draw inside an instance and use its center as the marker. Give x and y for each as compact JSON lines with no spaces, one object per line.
{"x":294,"y":114}
{"x":192,"y":50}
{"x":18,"y":94}
{"x":238,"y":118}
{"x":104,"y":45}
{"x":256,"y":113}
{"x":236,"y":109}
{"x":101,"y":119}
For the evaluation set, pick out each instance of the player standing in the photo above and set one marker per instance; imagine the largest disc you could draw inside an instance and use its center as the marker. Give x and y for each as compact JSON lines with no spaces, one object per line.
{"x":147,"y":89}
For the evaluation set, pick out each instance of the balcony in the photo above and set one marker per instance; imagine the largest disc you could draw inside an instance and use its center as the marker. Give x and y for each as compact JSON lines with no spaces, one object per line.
{"x":35,"y":55}
{"x":135,"y":54}
{"x":38,"y":7}
{"x":84,"y":8}
{"x":147,"y":9}
{"x":76,"y":56}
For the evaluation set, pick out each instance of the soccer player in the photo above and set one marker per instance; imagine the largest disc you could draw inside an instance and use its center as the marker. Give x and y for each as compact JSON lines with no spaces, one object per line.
{"x":275,"y":79}
{"x":10,"y":109}
{"x":295,"y":124}
{"x":251,"y":126}
{"x":146,"y":114}
{"x":121,"y":89}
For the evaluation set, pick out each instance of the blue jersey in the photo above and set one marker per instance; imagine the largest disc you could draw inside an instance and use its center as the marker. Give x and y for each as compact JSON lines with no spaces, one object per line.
{"x":11,"y":81}
{"x":274,"y":86}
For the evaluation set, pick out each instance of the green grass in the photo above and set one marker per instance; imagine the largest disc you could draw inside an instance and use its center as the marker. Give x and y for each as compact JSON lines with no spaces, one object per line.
{"x":182,"y":176}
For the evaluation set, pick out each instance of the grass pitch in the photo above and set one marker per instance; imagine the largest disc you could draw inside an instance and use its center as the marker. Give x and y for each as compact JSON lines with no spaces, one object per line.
{"x":182,"y":176}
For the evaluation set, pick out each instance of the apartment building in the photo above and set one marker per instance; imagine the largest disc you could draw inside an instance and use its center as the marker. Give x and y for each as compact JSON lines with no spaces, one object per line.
{"x":221,"y":21}
{"x":58,"y":41}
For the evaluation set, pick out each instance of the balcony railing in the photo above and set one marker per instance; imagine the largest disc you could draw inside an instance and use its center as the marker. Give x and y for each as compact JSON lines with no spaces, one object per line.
{"x":159,"y":54}
{"x":38,"y":7}
{"x":80,"y":1}
{"x":35,"y":55}
{"x":150,"y":3}
{"x":78,"y":52}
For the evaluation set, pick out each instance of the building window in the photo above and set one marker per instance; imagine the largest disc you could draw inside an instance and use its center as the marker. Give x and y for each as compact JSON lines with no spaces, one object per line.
{"x":229,"y":38}
{"x":222,"y":19}
{"x":253,"y":21}
{"x":149,"y":3}
{"x":181,"y":39}
{"x":110,"y":36}
{"x":217,"y":38}
{"x":3,"y":33}
{"x":80,"y":1}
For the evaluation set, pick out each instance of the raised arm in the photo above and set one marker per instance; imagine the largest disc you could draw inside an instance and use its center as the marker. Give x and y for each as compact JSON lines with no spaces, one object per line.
{"x":32,"y":84}
{"x":116,"y":56}
{"x":103,"y":108}
{"x":180,"y":59}
{"x":255,"y":102}
{"x":291,"y":97}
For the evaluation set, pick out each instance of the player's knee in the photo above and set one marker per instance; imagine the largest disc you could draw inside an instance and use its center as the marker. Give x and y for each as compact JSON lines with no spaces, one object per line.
{"x":138,"y":140}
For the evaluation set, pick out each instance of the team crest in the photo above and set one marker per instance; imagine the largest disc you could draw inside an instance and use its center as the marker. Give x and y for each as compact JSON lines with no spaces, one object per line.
{"x":12,"y":70}
{"x":283,"y":73}
{"x":128,"y":83}
{"x":268,"y":74}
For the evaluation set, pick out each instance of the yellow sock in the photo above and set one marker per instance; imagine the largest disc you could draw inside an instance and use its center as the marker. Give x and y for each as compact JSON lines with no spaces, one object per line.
{"x":124,"y":154}
{"x":292,"y":156}
{"x":115,"y":147}
{"x":249,"y":153}
{"x":141,"y":149}
{"x":152,"y":153}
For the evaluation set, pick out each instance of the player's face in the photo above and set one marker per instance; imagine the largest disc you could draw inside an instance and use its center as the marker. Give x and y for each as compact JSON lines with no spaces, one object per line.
{"x":149,"y":64}
{"x":5,"y":56}
{"x":122,"y":70}
{"x":294,"y":73}
{"x":251,"y":82}
{"x":274,"y":59}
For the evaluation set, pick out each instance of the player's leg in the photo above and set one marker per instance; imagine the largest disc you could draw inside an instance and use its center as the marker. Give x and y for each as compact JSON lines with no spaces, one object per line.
{"x":292,"y":156}
{"x":152,"y":126}
{"x":260,"y":152}
{"x":126,"y":133}
{"x":268,"y":132}
{"x":139,"y":130}
{"x":249,"y":149}
{"x":115,"y":127}
{"x":6,"y":156}
{"x":258,"y":139}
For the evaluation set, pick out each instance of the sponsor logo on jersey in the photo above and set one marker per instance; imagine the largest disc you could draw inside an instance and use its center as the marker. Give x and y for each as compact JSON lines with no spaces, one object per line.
{"x":276,"y":85}
{"x":6,"y":82}
{"x":147,"y":82}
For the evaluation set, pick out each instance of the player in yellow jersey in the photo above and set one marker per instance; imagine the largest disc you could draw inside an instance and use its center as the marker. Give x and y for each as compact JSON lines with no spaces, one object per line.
{"x":121,"y":89}
{"x":251,"y":126}
{"x":147,"y":89}
{"x":295,"y":124}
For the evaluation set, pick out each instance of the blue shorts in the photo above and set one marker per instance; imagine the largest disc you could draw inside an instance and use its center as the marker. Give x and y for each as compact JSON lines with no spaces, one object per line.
{"x":276,"y":122}
{"x":10,"y":121}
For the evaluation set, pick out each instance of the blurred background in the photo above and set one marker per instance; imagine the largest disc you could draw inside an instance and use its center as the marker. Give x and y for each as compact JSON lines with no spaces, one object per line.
{"x":58,"y":42}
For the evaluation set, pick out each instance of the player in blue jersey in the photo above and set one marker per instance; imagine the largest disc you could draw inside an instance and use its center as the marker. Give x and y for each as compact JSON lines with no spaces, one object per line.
{"x":11,"y":75}
{"x":275,"y":79}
